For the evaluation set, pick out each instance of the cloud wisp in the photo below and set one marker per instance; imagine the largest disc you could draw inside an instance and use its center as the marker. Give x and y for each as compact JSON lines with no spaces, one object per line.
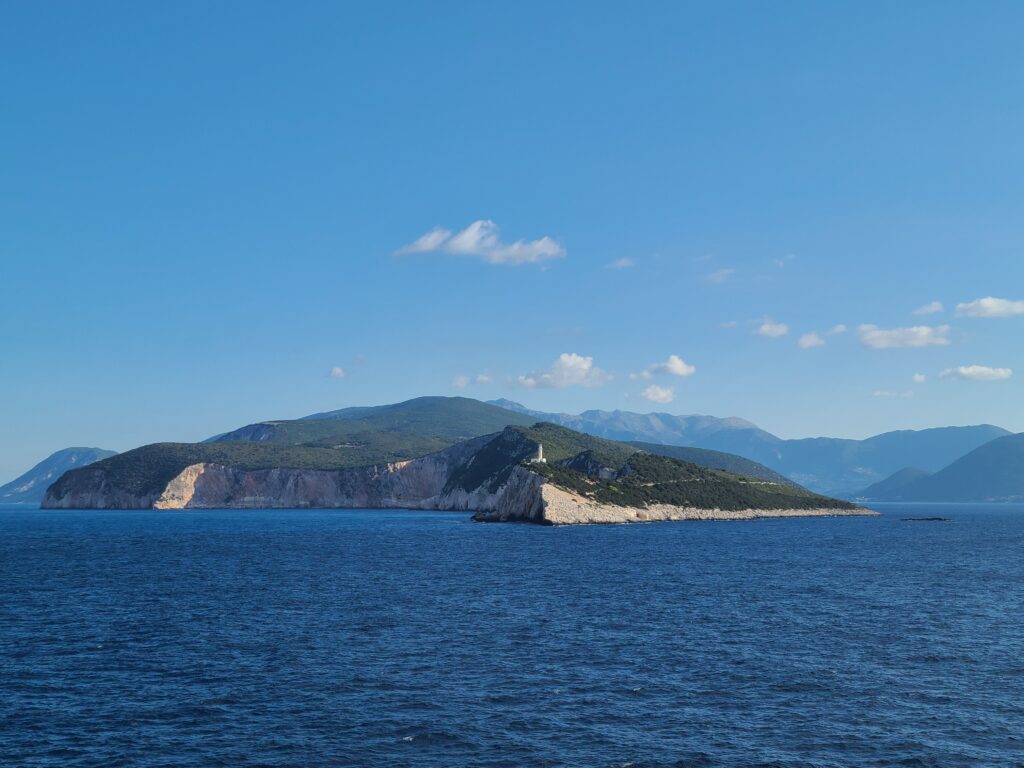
{"x":619,"y":264}
{"x":904,"y":338}
{"x":929,"y":309}
{"x":569,"y":369}
{"x":337,"y":372}
{"x":976,"y":373}
{"x":656,"y":394}
{"x":810,"y":341}
{"x":675,"y":366}
{"x":771,"y":329}
{"x":720,"y":276}
{"x":481,"y":240}
{"x":990,"y":307}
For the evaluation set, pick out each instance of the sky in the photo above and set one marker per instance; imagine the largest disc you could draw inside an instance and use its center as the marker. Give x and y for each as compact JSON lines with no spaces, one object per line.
{"x":804,"y":214}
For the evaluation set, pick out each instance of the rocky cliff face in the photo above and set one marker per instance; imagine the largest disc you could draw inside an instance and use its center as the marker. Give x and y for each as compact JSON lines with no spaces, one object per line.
{"x":485,"y":475}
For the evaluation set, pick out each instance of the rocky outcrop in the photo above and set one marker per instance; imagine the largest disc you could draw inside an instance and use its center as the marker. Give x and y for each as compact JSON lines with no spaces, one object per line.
{"x":536,"y":501}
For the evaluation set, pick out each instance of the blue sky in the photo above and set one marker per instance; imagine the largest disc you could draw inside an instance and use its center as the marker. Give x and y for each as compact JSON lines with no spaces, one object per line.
{"x":207,"y":207}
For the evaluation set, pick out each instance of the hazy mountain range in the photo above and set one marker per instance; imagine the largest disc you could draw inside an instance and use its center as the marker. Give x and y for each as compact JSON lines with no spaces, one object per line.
{"x":992,"y":472}
{"x":835,"y":466}
{"x":30,"y":487}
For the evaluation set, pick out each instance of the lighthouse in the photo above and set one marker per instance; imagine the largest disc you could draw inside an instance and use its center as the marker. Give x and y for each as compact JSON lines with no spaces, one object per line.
{"x":539,"y":458}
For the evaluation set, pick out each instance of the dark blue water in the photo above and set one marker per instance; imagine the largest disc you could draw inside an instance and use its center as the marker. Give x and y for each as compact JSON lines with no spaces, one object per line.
{"x":332,"y":638}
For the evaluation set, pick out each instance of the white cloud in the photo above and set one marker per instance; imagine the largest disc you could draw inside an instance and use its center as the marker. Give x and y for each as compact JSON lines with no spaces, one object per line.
{"x":976,"y":373}
{"x":721,"y":275}
{"x":462,"y":381}
{"x":990,"y":307}
{"x":920,"y":378}
{"x":728,"y":324}
{"x":840,"y":328}
{"x":771,"y":329}
{"x":624,"y":263}
{"x":675,"y":365}
{"x":810,"y":340}
{"x":929,"y":309}
{"x":780,"y":263}
{"x":481,"y":239}
{"x":337,"y":372}
{"x":901,"y":338}
{"x":657,"y":394}
{"x":568,"y":370}
{"x":888,"y":394}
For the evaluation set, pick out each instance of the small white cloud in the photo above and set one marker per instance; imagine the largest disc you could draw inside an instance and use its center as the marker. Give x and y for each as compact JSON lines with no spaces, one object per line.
{"x":657,"y":394}
{"x":835,"y":329}
{"x":920,"y":378}
{"x":990,"y":307}
{"x":904,"y":338}
{"x":929,"y":309}
{"x":568,"y":370}
{"x":675,"y":366}
{"x":462,"y":381}
{"x":337,"y":372}
{"x":624,"y":263}
{"x":887,"y":394}
{"x":728,"y":324}
{"x":719,"y":276}
{"x":782,"y":262}
{"x":772,"y":329}
{"x":976,"y":373}
{"x":481,"y":239}
{"x":811,"y":340}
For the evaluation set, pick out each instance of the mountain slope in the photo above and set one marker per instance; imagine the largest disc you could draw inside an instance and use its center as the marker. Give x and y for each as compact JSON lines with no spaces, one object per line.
{"x":585,"y":479}
{"x":385,"y":433}
{"x":661,"y":428}
{"x":894,"y":487}
{"x":992,"y":472}
{"x":30,"y":487}
{"x":706,"y":457}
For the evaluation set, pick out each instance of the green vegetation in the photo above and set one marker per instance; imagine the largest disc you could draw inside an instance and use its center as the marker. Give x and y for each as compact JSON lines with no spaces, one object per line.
{"x":495,"y":461}
{"x":649,"y":479}
{"x":436,"y":422}
{"x":705,"y":457}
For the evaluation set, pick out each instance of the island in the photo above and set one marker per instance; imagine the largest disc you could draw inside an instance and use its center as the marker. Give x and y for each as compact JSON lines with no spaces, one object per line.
{"x":541,"y":473}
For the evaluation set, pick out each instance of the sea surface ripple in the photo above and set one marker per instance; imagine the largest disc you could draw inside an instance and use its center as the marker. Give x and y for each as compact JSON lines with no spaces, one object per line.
{"x":396,"y":638}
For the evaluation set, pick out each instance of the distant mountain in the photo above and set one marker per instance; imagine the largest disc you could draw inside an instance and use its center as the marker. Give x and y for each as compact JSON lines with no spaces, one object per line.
{"x":992,"y":472}
{"x":894,"y":487}
{"x":31,"y":486}
{"x":829,"y":465}
{"x":663,"y":428}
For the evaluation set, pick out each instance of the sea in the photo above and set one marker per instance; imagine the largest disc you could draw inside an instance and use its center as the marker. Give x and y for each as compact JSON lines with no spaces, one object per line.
{"x":315,"y":638}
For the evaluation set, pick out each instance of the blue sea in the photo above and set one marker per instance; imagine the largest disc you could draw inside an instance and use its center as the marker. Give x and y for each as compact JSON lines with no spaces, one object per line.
{"x":392,"y":638}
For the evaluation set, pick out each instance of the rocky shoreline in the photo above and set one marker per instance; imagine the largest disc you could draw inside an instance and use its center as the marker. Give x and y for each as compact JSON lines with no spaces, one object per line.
{"x":560,"y":507}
